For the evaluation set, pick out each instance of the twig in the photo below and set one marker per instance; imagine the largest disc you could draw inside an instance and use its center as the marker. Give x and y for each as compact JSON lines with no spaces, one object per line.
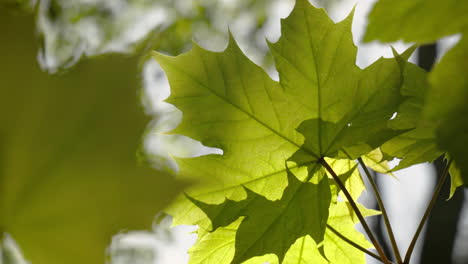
{"x":390,"y":233}
{"x":427,"y":213}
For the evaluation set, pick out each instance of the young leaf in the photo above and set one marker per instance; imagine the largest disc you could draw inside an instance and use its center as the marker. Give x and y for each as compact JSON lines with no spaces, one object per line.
{"x":69,"y":178}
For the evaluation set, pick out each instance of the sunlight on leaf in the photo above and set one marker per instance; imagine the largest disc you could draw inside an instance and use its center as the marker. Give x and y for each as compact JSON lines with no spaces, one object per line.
{"x":323,"y":106}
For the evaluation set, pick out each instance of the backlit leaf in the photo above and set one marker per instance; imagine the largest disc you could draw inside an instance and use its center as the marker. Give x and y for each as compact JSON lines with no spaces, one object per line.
{"x":323,"y":106}
{"x":273,"y":226}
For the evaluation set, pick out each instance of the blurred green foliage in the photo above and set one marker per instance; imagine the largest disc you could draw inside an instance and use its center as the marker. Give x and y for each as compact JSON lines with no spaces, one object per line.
{"x":70,"y":30}
{"x":69,"y":176}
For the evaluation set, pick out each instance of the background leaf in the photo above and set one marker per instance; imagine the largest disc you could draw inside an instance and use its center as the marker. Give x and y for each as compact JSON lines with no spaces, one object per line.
{"x":419,"y":144}
{"x":426,"y":21}
{"x":417,"y":20}
{"x":448,"y":107}
{"x":69,"y":177}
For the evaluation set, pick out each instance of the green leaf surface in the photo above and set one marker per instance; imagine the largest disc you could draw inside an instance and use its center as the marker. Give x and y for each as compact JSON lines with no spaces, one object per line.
{"x":448,"y":107}
{"x":230,"y":103}
{"x":445,"y":110}
{"x":69,"y":178}
{"x":377,"y":161}
{"x":456,"y":179}
{"x":350,"y":107}
{"x":419,"y":144}
{"x":273,"y":226}
{"x":348,"y":173}
{"x":416,"y":20}
{"x":203,"y":251}
{"x":323,"y":106}
{"x":219,"y":245}
{"x":343,"y":219}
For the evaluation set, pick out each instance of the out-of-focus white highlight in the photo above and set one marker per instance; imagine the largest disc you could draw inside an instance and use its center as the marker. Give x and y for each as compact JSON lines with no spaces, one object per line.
{"x":164,"y":245}
{"x":406,"y":200}
{"x":162,"y":147}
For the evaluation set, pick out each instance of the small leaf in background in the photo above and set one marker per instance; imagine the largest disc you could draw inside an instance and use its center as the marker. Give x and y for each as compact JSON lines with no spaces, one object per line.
{"x":456,"y":179}
{"x":69,"y":178}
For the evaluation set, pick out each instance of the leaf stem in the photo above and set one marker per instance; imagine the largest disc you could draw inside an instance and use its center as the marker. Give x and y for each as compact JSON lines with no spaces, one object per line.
{"x":431,"y":204}
{"x":390,"y":233}
{"x":356,"y":210}
{"x":352,"y":243}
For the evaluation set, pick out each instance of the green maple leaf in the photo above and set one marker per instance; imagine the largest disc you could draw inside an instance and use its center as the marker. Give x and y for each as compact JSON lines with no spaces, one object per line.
{"x":419,"y":144}
{"x":349,"y":107}
{"x":445,"y":107}
{"x":448,"y":107}
{"x":417,"y":20}
{"x":230,"y":103}
{"x":69,"y":178}
{"x":323,"y":106}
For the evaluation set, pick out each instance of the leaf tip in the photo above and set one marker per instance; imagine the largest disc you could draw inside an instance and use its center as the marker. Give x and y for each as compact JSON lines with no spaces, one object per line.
{"x":232,"y":44}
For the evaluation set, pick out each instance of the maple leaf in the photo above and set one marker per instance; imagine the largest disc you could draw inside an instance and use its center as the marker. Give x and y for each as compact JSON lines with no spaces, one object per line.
{"x":445,"y":100}
{"x":419,"y":144}
{"x":448,"y":108}
{"x":256,"y":118}
{"x":69,"y":177}
{"x":230,"y":103}
{"x":392,"y":20}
